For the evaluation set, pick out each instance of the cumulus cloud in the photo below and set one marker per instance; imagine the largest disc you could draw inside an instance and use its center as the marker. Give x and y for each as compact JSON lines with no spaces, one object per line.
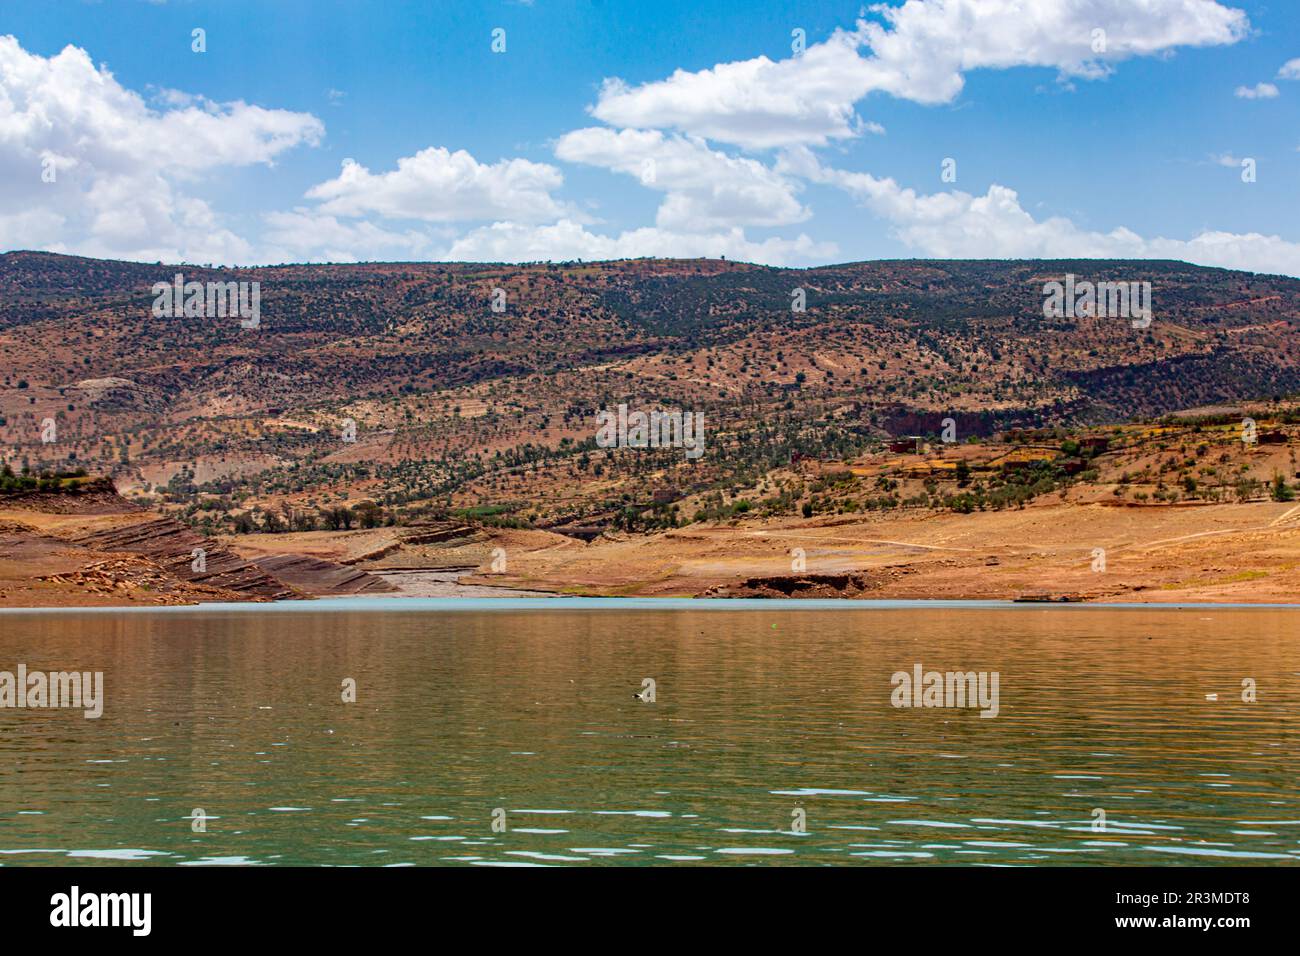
{"x":437,"y":185}
{"x":919,"y":52}
{"x":566,"y":239}
{"x":754,"y":103}
{"x":124,"y":169}
{"x":709,"y":197}
{"x":87,"y":167}
{"x":1260,"y":91}
{"x":960,"y":225}
{"x":307,"y":235}
{"x":706,"y":189}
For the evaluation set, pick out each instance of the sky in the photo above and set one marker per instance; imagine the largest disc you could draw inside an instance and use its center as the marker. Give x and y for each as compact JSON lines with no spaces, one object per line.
{"x":787,"y":133}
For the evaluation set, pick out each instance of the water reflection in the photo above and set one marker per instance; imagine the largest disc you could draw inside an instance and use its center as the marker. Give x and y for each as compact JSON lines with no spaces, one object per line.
{"x":758,"y":713}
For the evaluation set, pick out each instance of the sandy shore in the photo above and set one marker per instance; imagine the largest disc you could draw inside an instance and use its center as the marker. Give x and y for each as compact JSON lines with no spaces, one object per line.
{"x":1247,"y":553}
{"x":1229,"y":553}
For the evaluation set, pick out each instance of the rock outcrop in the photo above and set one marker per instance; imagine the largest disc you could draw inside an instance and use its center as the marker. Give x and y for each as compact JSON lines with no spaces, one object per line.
{"x":318,"y":577}
{"x":189,"y":556}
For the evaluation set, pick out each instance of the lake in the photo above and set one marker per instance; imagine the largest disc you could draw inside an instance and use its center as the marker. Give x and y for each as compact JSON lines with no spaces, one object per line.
{"x":508,"y":733}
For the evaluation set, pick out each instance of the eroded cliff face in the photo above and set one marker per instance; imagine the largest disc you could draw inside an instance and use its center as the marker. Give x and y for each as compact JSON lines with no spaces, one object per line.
{"x":84,"y":545}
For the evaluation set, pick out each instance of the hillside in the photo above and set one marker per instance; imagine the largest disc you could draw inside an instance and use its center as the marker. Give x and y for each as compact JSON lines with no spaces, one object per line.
{"x":386,"y":396}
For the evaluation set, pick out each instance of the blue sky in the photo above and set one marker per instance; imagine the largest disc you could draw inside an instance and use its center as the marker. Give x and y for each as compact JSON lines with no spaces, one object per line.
{"x":629,"y":128}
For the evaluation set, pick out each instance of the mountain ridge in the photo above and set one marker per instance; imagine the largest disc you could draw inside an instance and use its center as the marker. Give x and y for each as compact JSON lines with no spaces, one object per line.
{"x":457,"y":404}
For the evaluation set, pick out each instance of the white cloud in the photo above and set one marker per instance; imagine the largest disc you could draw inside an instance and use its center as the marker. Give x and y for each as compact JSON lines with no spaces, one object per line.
{"x":437,"y":185}
{"x":754,"y":103}
{"x":706,"y":189}
{"x":566,"y":239}
{"x":1290,"y":70}
{"x":1260,"y":91}
{"x":32,"y":229}
{"x":921,"y":52}
{"x":959,"y":225}
{"x":709,"y":197}
{"x":125,"y":168}
{"x":305,"y":235}
{"x":118,"y":163}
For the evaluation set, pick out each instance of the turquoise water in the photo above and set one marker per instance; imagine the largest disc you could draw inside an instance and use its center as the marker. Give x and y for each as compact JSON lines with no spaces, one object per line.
{"x":500,"y":732}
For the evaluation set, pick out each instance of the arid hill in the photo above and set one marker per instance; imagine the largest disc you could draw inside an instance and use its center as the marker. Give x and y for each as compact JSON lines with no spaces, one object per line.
{"x":384,"y":395}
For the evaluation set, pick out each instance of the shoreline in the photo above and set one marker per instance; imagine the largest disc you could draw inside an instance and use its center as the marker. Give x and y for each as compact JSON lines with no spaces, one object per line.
{"x":1084,"y":555}
{"x":561,"y":603}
